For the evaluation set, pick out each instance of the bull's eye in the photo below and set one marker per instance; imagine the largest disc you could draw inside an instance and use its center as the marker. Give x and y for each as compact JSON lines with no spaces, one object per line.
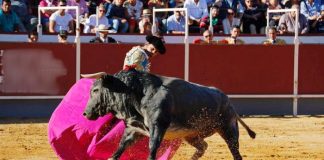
{"x":95,"y":90}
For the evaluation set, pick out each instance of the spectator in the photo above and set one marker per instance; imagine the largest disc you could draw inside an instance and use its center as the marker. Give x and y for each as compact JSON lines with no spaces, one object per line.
{"x":45,"y":14}
{"x":289,"y":3}
{"x":92,"y":5}
{"x":207,"y":38}
{"x":283,"y":29}
{"x":319,"y":22}
{"x":62,"y":36}
{"x":134,"y":9}
{"x":161,"y":17}
{"x":117,"y":16}
{"x":289,"y":20}
{"x":147,"y":28}
{"x":311,"y":10}
{"x":175,"y":4}
{"x":274,"y":17}
{"x":91,"y":22}
{"x":235,"y":32}
{"x":253,"y":18}
{"x":103,"y":36}
{"x":60,"y":20}
{"x":32,"y":36}
{"x":224,"y":5}
{"x":176,"y":23}
{"x":197,"y":11}
{"x":230,"y":21}
{"x":9,"y":21}
{"x":83,"y":8}
{"x":272,"y":37}
{"x":139,"y":57}
{"x":216,"y":22}
{"x":145,"y":24}
{"x":23,"y":10}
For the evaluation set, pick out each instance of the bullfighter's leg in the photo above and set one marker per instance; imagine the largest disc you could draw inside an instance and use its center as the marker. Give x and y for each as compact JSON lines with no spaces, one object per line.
{"x":230,"y":133}
{"x":157,"y":132}
{"x":199,"y":144}
{"x":128,"y":138}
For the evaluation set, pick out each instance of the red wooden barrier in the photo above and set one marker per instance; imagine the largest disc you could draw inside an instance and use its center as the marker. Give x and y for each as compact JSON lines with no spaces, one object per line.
{"x":244,"y":69}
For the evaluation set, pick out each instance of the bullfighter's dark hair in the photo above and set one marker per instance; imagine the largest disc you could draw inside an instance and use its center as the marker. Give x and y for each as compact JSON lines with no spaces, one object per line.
{"x":157,"y":43}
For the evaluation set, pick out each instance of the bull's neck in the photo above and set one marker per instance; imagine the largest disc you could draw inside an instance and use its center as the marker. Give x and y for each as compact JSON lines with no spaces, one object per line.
{"x":122,"y":105}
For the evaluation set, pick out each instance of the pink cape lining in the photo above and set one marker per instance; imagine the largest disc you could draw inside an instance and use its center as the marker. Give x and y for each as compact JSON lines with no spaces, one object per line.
{"x":73,"y":137}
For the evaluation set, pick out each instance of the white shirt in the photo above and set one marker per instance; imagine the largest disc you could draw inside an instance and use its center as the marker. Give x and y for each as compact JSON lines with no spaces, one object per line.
{"x":227,"y":26}
{"x":92,"y":21}
{"x":196,"y":11}
{"x":61,"y":22}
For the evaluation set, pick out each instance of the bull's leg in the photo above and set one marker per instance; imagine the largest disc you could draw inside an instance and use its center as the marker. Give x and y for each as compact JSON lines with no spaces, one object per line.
{"x":128,"y":138}
{"x":230,"y":134}
{"x":156,"y":136}
{"x":199,"y":144}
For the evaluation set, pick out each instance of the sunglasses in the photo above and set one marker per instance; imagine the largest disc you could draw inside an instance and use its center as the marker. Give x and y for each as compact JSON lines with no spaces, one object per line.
{"x":101,"y":10}
{"x":206,"y":36}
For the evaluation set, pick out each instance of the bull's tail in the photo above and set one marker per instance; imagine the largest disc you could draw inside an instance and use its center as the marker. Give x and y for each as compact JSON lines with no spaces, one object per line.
{"x":251,"y":133}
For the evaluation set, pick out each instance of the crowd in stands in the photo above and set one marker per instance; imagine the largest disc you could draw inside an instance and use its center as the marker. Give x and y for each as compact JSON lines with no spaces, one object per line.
{"x":135,"y":16}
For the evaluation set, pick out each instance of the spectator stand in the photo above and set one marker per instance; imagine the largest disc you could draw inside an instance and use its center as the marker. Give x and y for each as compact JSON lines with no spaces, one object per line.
{"x":186,"y":38}
{"x":77,"y":32}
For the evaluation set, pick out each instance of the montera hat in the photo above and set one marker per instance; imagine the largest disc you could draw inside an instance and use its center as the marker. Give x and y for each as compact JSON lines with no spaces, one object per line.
{"x":157,"y":43}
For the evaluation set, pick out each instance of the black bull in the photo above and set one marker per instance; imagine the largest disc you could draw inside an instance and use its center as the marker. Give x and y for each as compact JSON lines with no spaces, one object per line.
{"x":163,"y":107}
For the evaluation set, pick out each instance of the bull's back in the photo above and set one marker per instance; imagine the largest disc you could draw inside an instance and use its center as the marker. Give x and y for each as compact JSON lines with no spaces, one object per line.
{"x":193,"y":101}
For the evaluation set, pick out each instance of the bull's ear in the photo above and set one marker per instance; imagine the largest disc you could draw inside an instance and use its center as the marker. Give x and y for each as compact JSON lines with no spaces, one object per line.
{"x":94,"y":75}
{"x":114,"y":84}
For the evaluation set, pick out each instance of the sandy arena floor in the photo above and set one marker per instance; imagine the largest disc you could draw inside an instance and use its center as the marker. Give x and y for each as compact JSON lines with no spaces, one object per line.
{"x":286,"y":138}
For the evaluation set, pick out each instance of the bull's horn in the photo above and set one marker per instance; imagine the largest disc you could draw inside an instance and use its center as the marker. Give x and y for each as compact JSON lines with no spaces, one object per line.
{"x":93,"y":75}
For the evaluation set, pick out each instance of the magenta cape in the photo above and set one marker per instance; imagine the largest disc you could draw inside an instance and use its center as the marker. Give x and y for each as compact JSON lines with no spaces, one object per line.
{"x":73,"y":137}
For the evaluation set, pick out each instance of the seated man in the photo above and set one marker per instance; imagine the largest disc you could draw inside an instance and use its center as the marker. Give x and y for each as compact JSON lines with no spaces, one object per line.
{"x":91,"y":22}
{"x":235,"y":32}
{"x":272,"y":37}
{"x":117,"y":16}
{"x":289,"y":20}
{"x":176,"y":23}
{"x":134,"y":10}
{"x":9,"y":21}
{"x":103,"y":36}
{"x":311,"y":10}
{"x":207,"y":39}
{"x":145,"y":24}
{"x":319,"y":22}
{"x":60,"y":20}
{"x":197,"y":12}
{"x":216,"y":22}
